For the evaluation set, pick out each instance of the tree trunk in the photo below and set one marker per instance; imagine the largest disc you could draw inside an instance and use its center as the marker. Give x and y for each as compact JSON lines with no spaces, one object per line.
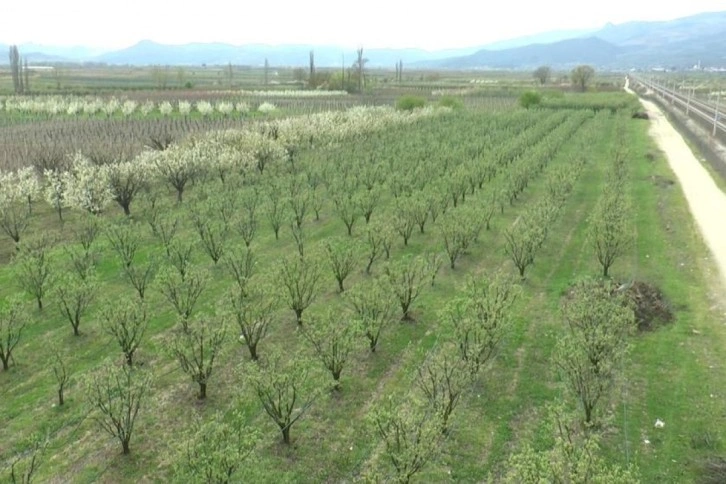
{"x":202,"y":391}
{"x":298,"y":316}
{"x":125,"y":445}
{"x":125,"y":206}
{"x":6,"y":362}
{"x":286,"y":435}
{"x":40,"y":303}
{"x":340,"y":286}
{"x":61,"y":401}
{"x":75,"y":330}
{"x":129,"y":359}
{"x":179,"y":195}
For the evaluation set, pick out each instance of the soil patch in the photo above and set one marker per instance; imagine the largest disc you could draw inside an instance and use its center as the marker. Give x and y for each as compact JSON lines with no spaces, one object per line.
{"x":650,"y":306}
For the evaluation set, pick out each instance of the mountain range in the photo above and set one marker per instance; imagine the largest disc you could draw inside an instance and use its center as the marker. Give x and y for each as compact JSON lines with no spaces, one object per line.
{"x":680,"y":43}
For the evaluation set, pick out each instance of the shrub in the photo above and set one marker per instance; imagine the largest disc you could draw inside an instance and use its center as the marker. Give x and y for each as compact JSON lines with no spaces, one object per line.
{"x":451,"y":102}
{"x":409,"y":103}
{"x":529,"y":99}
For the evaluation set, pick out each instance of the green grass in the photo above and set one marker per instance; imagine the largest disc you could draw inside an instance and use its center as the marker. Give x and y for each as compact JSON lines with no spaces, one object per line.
{"x":671,"y":375}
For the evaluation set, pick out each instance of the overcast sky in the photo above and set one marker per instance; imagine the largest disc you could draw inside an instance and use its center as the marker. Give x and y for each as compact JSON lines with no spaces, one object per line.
{"x":371,"y":23}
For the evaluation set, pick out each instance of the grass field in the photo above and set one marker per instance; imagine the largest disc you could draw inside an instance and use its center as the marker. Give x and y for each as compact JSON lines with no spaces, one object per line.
{"x":673,"y":374}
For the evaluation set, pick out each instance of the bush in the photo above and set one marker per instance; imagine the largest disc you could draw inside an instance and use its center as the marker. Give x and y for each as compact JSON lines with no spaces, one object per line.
{"x":409,"y":103}
{"x":529,"y":99}
{"x":451,"y":102}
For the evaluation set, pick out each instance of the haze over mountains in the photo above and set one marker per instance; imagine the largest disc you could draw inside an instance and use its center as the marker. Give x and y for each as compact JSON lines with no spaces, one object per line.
{"x":679,"y":43}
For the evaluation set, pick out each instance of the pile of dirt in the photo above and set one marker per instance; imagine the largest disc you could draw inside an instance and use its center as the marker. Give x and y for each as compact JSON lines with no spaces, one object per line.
{"x":649,"y":305}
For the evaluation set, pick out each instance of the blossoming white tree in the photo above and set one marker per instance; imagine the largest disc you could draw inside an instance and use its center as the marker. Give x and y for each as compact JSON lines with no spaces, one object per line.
{"x":87,"y":185}
{"x":166,"y":108}
{"x":55,"y":191}
{"x":266,"y":108}
{"x":147,"y":108}
{"x":185,"y":107}
{"x":205,"y":108}
{"x":128,"y":107}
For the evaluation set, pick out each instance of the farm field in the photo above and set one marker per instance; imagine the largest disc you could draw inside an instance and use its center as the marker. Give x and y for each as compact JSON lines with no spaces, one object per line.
{"x":332,"y":234}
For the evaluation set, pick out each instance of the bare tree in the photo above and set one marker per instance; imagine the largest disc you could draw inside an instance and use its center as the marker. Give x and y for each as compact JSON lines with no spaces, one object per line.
{"x":332,"y":336}
{"x":360,"y":68}
{"x":589,"y":356}
{"x":411,"y":435}
{"x":214,"y":451}
{"x":33,"y":270}
{"x":609,"y":232}
{"x":286,"y":387}
{"x":183,"y":291}
{"x":61,"y":373}
{"x":117,"y":393}
{"x":74,"y":296}
{"x":196,"y":346}
{"x":581,"y":76}
{"x":240,"y":263}
{"x":12,"y":324}
{"x":406,"y":279}
{"x":542,"y":74}
{"x":311,"y":79}
{"x":481,"y":317}
{"x":125,"y":240}
{"x":252,"y":312}
{"x":16,"y":69}
{"x":24,"y":467}
{"x":374,"y":307}
{"x":126,"y":321}
{"x":343,"y":257}
{"x":443,"y":378}
{"x":299,"y":276}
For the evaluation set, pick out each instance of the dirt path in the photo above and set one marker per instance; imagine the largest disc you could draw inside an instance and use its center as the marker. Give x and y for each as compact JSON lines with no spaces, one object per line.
{"x":706,"y":201}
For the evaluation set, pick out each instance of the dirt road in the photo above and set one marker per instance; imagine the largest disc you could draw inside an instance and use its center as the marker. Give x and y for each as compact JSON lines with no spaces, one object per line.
{"x":706,"y":201}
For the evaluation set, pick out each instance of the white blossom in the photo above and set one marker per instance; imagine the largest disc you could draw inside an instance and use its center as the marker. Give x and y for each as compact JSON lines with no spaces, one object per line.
{"x":266,"y":107}
{"x":128,"y":107}
{"x":55,"y":189}
{"x":293,"y":93}
{"x":87,"y":186}
{"x":225,"y":107}
{"x":111,"y":107}
{"x":185,"y":107}
{"x":147,"y":108}
{"x":205,"y":108}
{"x":166,"y":108}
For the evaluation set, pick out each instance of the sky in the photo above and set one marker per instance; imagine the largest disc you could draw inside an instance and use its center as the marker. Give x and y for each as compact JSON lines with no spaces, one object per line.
{"x":431,"y":25}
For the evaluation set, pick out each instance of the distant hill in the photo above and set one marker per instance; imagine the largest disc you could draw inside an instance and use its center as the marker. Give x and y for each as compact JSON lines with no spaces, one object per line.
{"x":590,"y":50}
{"x":540,"y":38}
{"x":679,"y":43}
{"x":147,"y":53}
{"x":676,"y":43}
